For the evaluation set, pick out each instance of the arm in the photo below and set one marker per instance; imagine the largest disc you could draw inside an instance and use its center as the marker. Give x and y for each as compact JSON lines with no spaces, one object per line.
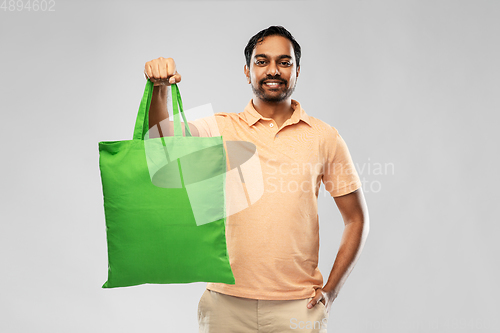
{"x":162,"y":72}
{"x":354,"y":212}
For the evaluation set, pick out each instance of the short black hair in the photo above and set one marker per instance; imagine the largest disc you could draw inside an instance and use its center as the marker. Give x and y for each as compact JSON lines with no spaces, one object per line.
{"x":271,"y":31}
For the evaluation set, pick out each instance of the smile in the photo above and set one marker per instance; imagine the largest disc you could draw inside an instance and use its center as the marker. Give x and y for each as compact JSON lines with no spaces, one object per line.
{"x":273,"y":84}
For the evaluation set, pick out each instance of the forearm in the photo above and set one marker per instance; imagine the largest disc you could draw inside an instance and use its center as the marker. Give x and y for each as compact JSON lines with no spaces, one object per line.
{"x":351,"y":245}
{"x":158,"y":111}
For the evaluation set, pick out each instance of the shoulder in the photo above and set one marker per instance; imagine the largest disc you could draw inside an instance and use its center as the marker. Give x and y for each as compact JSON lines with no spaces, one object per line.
{"x":323,"y":129}
{"x":318,"y":126}
{"x":212,"y":125}
{"x":330,"y":141}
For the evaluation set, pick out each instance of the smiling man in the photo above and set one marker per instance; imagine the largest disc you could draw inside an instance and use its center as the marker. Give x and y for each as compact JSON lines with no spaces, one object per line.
{"x":273,"y":244}
{"x":274,"y":73}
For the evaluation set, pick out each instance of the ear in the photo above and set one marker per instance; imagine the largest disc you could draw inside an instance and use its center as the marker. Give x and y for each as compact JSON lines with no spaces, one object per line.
{"x":298,"y":71}
{"x":247,"y":73}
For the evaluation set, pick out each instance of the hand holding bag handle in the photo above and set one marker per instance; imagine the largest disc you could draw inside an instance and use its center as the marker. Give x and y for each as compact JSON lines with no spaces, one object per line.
{"x":142,"y":122}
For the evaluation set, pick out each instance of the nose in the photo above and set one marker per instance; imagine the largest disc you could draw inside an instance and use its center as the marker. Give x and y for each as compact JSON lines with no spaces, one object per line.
{"x":272,"y":69}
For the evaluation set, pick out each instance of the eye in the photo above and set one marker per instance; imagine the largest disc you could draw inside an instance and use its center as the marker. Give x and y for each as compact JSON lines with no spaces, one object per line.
{"x":259,"y":62}
{"x":286,"y":63}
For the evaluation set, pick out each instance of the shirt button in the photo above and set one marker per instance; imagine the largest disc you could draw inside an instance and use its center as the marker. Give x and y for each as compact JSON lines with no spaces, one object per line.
{"x":271,"y":124}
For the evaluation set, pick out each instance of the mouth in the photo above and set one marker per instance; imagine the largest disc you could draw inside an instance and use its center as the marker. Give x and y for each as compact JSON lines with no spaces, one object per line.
{"x":273,"y":84}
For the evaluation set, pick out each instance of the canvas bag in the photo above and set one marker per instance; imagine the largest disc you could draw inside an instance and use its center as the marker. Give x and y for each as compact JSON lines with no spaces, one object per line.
{"x":164,"y":205}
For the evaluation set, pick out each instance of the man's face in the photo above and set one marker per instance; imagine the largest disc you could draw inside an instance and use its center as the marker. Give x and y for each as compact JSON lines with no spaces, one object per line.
{"x":273,"y":72}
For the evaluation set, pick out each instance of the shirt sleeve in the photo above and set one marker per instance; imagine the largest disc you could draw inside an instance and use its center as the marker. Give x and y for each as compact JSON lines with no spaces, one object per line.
{"x":209,"y":126}
{"x":339,"y":173}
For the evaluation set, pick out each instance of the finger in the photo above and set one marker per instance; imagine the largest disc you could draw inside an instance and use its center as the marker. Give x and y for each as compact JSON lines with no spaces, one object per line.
{"x":171,"y":68}
{"x":175,"y":79}
{"x":163,"y":67}
{"x":154,"y":70}
{"x":312,"y":303}
{"x":147,"y":70}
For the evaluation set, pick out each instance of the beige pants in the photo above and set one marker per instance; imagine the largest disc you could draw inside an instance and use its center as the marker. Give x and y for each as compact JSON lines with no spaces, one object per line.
{"x":220,"y":313}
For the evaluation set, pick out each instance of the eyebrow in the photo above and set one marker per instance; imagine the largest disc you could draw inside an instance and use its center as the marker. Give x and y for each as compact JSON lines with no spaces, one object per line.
{"x":283,"y":56}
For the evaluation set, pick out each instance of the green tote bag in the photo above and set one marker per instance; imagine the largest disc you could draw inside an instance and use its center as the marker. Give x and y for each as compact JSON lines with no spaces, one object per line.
{"x":164,"y":204}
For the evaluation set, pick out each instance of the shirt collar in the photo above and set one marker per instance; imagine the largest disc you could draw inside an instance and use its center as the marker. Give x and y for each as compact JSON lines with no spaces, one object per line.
{"x":251,"y":116}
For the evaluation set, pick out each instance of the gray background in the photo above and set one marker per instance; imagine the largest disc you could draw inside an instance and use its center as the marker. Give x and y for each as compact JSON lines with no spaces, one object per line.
{"x":411,"y":85}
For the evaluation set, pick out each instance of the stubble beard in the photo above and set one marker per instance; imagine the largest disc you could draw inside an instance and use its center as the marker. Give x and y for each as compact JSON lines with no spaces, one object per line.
{"x":261,"y":94}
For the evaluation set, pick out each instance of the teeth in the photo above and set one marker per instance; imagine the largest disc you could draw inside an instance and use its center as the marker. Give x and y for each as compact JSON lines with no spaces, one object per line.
{"x":272,"y":83}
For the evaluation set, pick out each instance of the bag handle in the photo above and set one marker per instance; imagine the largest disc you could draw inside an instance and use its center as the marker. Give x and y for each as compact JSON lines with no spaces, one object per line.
{"x":142,"y":121}
{"x":177,"y":102}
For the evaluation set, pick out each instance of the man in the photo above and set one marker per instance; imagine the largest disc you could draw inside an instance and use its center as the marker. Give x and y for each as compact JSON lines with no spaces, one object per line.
{"x":273,"y":244}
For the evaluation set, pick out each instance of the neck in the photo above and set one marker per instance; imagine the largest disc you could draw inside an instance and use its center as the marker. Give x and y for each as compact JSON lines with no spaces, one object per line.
{"x":279,"y":111}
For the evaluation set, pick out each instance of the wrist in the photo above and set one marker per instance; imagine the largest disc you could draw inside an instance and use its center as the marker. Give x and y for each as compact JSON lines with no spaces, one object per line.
{"x":160,"y":91}
{"x":330,"y":291}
